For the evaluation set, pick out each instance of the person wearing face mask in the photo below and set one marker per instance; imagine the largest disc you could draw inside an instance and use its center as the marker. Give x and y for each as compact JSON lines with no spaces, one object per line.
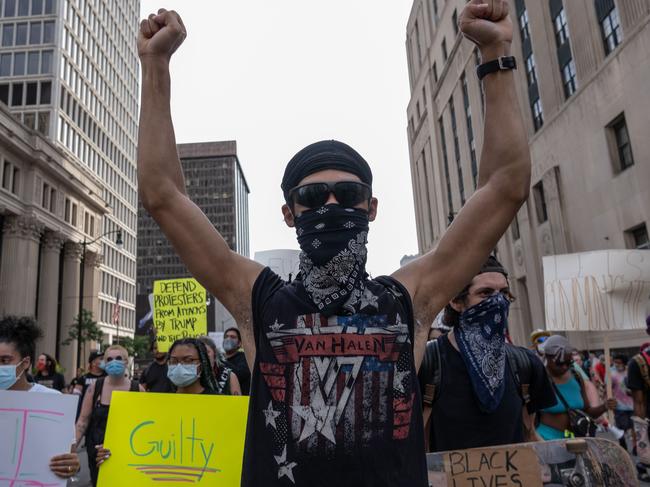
{"x":227,"y":382}
{"x":47,"y":375}
{"x":154,"y":377}
{"x":334,"y":392}
{"x":236,"y":358}
{"x":479,"y":390}
{"x":94,"y":410}
{"x":18,"y":336}
{"x":559,"y":421}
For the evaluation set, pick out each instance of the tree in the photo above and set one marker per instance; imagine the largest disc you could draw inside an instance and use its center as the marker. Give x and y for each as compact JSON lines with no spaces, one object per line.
{"x":84,"y":332}
{"x":137,"y":346}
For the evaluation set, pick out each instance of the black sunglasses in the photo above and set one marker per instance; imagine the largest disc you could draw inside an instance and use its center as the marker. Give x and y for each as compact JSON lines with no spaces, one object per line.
{"x":347,"y":193}
{"x":110,"y":359}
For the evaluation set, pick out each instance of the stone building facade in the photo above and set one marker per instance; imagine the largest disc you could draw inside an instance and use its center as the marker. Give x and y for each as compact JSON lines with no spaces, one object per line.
{"x":583,"y":67}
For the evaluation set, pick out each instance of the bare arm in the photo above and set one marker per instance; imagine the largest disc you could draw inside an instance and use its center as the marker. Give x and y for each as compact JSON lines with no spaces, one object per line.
{"x":226,"y":274}
{"x":503,"y":186}
{"x":84,"y":414}
{"x":639,"y":403}
{"x":528,"y":420}
{"x":235,"y":387}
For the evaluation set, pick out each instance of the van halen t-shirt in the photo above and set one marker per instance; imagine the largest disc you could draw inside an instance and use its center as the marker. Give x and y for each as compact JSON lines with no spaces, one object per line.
{"x":334,"y":400}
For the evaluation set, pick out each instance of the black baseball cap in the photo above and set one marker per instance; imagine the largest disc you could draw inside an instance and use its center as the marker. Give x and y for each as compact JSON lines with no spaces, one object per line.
{"x":94,"y":354}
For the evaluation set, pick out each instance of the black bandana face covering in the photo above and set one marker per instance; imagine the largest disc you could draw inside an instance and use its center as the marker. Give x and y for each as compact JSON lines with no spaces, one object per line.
{"x":333,"y":258}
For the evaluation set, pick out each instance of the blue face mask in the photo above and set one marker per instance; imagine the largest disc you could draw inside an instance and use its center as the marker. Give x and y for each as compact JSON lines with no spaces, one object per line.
{"x":8,"y":376}
{"x":115,"y":368}
{"x":183,"y":375}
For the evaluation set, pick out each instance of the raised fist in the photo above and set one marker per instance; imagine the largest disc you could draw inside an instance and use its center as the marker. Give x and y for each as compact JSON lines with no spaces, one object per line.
{"x":160,"y":35}
{"x":486,"y":23}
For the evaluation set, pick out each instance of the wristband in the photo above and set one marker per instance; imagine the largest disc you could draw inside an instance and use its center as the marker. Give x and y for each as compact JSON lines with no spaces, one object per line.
{"x":502,"y":63}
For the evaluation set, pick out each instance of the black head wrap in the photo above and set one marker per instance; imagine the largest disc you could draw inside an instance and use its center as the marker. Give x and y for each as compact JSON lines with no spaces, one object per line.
{"x":493,"y":265}
{"x":326,"y":154}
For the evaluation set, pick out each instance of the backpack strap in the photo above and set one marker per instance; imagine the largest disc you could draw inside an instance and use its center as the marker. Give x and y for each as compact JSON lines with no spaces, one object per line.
{"x":99,"y":386}
{"x":430,"y":379}
{"x":135,"y":386}
{"x":521,"y":370}
{"x":643,"y":368}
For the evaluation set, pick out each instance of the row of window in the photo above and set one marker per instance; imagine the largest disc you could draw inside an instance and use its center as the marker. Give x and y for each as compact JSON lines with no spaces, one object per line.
{"x":39,"y":121}
{"x":112,"y":284}
{"x":94,"y":132}
{"x":21,"y":8}
{"x":97,"y":45}
{"x":126,"y":316}
{"x":24,"y":33}
{"x":21,"y":63}
{"x":109,"y":111}
{"x":26,"y":94}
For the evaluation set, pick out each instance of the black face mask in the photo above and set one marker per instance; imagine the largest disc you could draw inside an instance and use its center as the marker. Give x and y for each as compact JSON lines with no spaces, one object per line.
{"x":333,"y":258}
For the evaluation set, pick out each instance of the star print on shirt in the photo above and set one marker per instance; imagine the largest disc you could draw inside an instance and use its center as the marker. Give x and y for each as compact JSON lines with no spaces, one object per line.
{"x":270,"y":414}
{"x":398,"y":380}
{"x":276,"y":326}
{"x":285,"y":469}
{"x":369,"y":299}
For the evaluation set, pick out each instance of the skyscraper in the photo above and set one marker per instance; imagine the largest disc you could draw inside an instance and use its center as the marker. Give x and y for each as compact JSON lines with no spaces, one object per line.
{"x":69,"y":69}
{"x":580,"y":85}
{"x":215,"y":181}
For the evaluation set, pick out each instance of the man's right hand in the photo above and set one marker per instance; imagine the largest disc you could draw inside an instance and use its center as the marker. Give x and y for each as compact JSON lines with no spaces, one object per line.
{"x":160,"y":35}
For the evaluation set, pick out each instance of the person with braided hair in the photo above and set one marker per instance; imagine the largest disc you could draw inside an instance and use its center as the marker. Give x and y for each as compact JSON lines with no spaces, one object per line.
{"x":227,"y":382}
{"x":190,"y":369}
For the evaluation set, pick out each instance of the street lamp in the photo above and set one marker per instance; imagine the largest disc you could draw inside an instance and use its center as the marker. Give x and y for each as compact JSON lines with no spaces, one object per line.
{"x":84,"y":244}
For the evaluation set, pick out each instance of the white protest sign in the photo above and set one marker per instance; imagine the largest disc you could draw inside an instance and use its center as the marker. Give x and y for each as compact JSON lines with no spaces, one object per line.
{"x":35,"y":427}
{"x":597,"y":291}
{"x":217,"y":338}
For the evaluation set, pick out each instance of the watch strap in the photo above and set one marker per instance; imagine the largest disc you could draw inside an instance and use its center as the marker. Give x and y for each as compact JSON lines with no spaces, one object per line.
{"x":502,"y":63}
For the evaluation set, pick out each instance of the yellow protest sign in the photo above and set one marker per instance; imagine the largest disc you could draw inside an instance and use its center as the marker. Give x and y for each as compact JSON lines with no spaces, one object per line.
{"x":179,"y":311}
{"x":174,"y":439}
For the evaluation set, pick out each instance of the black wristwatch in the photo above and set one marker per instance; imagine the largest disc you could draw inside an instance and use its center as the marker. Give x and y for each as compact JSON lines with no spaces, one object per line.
{"x":502,"y":63}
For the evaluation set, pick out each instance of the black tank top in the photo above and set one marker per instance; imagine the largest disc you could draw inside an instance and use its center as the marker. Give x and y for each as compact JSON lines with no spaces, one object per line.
{"x":334,"y":401}
{"x":99,"y":415}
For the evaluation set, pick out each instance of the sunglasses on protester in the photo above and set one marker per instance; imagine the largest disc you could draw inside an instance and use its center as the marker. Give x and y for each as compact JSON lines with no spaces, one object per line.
{"x":347,"y":193}
{"x":110,"y":359}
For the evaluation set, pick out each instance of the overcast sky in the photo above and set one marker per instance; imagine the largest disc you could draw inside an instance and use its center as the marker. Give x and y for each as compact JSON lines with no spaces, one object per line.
{"x":278,"y":75}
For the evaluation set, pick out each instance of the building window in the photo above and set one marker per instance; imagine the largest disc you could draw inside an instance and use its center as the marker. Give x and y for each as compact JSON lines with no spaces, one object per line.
{"x":516,"y":234}
{"x":444,"y":50}
{"x":523,"y":25}
{"x":45,"y":200}
{"x":470,"y":130}
{"x":638,"y":237}
{"x":610,"y":24}
{"x":435,"y":72}
{"x":459,"y":167}
{"x":620,"y":137}
{"x":454,"y":21}
{"x":538,"y":114}
{"x":561,"y":28}
{"x":531,"y":74}
{"x":435,"y":12}
{"x":569,"y":78}
{"x":417,"y":42}
{"x":66,"y":213}
{"x":445,"y":160}
{"x":540,"y":202}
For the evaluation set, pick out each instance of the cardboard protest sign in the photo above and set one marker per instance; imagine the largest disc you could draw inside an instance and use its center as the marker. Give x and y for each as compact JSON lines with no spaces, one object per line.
{"x":34,"y":427}
{"x":179,"y":311}
{"x":597,"y":291}
{"x":174,"y":439}
{"x":513,"y":466}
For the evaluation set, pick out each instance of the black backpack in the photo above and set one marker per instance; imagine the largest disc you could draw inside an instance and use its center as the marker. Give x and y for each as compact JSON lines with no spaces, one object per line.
{"x":430,"y":375}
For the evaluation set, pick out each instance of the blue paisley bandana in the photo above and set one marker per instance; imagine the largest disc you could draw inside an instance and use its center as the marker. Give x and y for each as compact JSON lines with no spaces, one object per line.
{"x":481,"y":340}
{"x":333,"y":258}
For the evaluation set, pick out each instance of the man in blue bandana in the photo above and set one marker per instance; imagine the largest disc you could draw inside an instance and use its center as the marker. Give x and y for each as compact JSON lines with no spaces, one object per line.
{"x":475,"y":383}
{"x":334,"y":392}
